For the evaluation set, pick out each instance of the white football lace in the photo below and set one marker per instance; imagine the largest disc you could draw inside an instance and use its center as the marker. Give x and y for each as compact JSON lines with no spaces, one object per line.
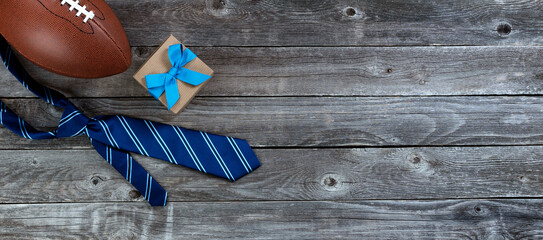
{"x":80,"y":9}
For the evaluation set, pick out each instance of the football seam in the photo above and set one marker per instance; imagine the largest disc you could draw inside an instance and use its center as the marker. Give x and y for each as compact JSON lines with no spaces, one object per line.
{"x":67,"y":20}
{"x":126,"y":61}
{"x":97,"y":8}
{"x":55,"y":70}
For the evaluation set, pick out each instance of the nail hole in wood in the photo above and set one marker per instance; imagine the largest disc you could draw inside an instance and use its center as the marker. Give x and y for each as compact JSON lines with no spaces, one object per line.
{"x":389,"y":70}
{"x":504,"y":29}
{"x":350,"y":12}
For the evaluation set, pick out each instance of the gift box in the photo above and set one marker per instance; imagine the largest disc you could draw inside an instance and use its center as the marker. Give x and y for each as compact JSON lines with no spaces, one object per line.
{"x":159,"y":66}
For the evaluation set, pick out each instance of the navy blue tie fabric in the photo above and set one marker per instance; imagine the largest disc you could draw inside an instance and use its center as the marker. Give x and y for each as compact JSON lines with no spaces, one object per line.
{"x":114,"y":137}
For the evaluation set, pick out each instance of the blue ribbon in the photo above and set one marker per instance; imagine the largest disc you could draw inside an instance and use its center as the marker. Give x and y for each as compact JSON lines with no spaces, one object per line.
{"x":167,"y":82}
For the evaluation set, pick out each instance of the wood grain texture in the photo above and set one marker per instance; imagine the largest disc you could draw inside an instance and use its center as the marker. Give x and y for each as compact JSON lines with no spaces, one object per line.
{"x":341,"y":71}
{"x":372,"y":119}
{"x":331,"y":22}
{"x":444,"y":219}
{"x":324,"y":121}
{"x":38,"y":176}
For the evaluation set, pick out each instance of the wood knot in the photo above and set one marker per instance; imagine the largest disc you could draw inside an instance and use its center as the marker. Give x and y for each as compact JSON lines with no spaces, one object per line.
{"x":332,"y":182}
{"x":504,"y":29}
{"x":350,"y":11}
{"x":96,"y":179}
{"x":415,"y":160}
{"x":422,"y":164}
{"x":141,"y":52}
{"x":523,"y":179}
{"x":475,"y":210}
{"x":134,"y":194}
{"x":479,"y":210}
{"x":218,"y":5}
{"x":217,"y":8}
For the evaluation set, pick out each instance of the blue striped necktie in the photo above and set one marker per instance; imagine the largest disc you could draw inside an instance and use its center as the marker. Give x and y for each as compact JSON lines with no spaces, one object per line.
{"x":115,"y":136}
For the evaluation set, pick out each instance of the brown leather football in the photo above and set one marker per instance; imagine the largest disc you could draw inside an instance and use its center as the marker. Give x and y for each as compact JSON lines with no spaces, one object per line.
{"x":76,"y":38}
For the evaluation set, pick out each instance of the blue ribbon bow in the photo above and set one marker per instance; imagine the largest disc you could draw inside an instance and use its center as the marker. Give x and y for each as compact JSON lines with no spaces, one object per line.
{"x":167,"y":82}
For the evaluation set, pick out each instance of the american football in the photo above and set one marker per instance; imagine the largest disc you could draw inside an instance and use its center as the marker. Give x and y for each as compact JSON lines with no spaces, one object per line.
{"x":75,"y":38}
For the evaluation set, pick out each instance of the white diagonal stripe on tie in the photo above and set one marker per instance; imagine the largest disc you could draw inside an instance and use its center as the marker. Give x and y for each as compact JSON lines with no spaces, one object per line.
{"x":217,"y":155}
{"x":241,"y":152}
{"x":23,"y":128}
{"x":107,"y":133}
{"x":68,"y":118}
{"x":150,"y":186}
{"x":189,"y":149}
{"x":236,"y":151}
{"x":127,"y":160}
{"x":132,"y":135}
{"x":160,"y":141}
{"x":130,"y":165}
{"x":79,"y":132}
{"x":1,"y":113}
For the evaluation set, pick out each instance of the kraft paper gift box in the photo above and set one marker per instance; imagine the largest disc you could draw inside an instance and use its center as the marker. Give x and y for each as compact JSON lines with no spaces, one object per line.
{"x":159,"y":62}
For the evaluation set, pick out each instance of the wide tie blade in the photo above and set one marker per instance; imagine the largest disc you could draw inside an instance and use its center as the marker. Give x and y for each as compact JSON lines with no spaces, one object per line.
{"x":221,"y":156}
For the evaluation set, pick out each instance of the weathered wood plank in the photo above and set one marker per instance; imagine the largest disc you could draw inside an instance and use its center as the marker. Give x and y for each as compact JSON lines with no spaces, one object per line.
{"x":250,"y":98}
{"x":286,"y":174}
{"x":332,"y":22}
{"x":60,"y":176}
{"x":446,"y":219}
{"x":326,"y":122}
{"x":341,"y":71}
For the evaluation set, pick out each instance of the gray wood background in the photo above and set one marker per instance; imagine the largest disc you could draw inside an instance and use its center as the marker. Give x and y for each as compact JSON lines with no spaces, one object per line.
{"x":373,"y":119}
